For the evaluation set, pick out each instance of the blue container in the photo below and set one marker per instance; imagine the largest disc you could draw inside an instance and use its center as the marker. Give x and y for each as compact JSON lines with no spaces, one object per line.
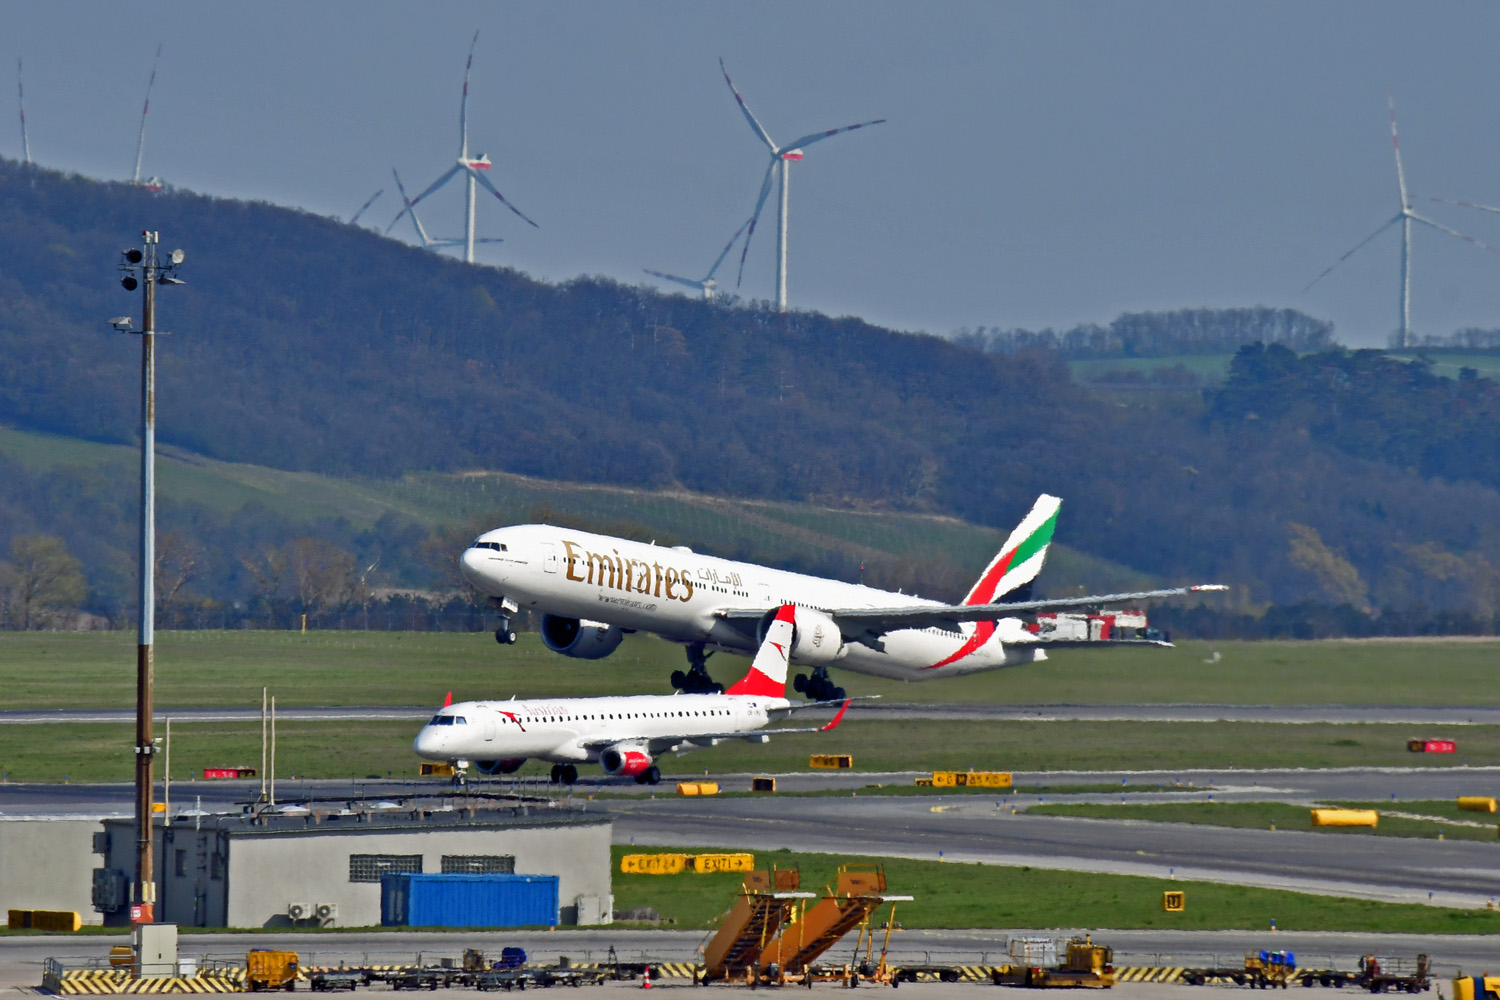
{"x":411,"y":900}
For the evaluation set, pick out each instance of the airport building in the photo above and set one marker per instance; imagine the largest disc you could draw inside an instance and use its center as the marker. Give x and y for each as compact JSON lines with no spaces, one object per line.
{"x":303,"y":866}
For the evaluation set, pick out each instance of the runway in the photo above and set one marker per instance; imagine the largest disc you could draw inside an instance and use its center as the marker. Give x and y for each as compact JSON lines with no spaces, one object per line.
{"x":1436,"y":715}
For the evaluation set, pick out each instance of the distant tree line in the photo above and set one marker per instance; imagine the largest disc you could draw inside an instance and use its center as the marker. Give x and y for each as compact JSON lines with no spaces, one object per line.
{"x":1162,"y":334}
{"x":1467,"y":339}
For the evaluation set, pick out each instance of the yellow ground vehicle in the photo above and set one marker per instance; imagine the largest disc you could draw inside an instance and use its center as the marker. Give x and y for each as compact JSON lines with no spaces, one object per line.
{"x":1087,"y":966}
{"x":270,"y":970}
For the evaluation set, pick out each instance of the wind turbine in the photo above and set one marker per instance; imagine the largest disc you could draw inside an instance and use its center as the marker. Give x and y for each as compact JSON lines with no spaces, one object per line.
{"x":153,"y":183}
{"x":21,"y":94}
{"x":1406,"y":216}
{"x":471,"y":168}
{"x":427,"y":241}
{"x":706,"y":284}
{"x":781,"y":160}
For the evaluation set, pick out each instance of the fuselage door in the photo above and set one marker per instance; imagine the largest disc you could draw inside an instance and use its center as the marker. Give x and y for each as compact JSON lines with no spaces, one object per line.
{"x":549,"y":557}
{"x":489,"y":726}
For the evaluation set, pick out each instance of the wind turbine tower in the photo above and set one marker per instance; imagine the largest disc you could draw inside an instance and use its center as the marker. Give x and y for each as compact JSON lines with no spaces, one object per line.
{"x":781,"y":160}
{"x":472,"y":168}
{"x":140,"y":142}
{"x":21,"y":95}
{"x":1406,"y":216}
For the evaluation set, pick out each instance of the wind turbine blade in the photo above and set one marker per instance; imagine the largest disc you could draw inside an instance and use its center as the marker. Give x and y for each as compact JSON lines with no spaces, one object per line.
{"x":447,"y":176}
{"x":21,"y":94}
{"x":765,"y":191}
{"x":725,"y":252}
{"x":1451,"y":232}
{"x":140,"y":142}
{"x":367,"y":204}
{"x":1351,"y":253}
{"x":759,"y":130}
{"x":463,"y":105}
{"x":672,"y":277}
{"x":485,"y":183}
{"x":808,"y":140}
{"x":1396,"y":145}
{"x":1466,"y":204}
{"x":409,"y":209}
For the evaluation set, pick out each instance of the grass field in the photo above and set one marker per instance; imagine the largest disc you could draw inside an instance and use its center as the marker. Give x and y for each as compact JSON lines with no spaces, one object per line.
{"x":1211,"y":368}
{"x":41,"y":670}
{"x":101,"y":751}
{"x":964,"y":895}
{"x":1284,"y":816}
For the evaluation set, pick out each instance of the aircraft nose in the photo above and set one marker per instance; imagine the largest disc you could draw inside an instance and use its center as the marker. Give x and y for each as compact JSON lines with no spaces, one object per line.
{"x":479,"y":569}
{"x":428,"y":742}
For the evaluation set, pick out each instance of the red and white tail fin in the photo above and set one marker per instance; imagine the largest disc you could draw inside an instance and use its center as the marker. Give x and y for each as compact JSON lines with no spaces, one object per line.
{"x":767,"y":676}
{"x":448,"y":700}
{"x":1021,"y":559}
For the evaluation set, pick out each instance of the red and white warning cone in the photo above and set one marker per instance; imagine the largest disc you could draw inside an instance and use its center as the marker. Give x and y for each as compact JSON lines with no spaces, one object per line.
{"x":646,"y":980}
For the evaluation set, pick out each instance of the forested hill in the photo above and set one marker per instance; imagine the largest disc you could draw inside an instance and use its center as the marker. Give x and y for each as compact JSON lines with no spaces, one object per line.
{"x":302,"y":343}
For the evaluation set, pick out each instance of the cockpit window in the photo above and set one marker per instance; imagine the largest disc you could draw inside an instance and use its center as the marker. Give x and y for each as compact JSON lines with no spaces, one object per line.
{"x":495,"y":546}
{"x":448,"y":720}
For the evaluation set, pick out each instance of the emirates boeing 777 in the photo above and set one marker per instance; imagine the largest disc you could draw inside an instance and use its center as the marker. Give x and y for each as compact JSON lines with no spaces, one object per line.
{"x":590,"y":590}
{"x":626,"y":735}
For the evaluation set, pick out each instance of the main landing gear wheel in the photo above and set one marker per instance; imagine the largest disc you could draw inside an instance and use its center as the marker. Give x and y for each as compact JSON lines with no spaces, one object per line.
{"x":695,"y":679}
{"x":818,"y":687}
{"x":650,"y":776}
{"x":564,"y":774}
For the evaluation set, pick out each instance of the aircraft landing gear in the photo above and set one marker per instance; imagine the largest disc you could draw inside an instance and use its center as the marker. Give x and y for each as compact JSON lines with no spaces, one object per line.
{"x":650,"y":776}
{"x":564,"y":774}
{"x":818,"y":687}
{"x":505,"y":635}
{"x":696,"y":680}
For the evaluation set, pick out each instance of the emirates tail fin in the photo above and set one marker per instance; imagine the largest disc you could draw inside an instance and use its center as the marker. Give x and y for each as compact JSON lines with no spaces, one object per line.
{"x":1021,"y":558}
{"x":767,"y":676}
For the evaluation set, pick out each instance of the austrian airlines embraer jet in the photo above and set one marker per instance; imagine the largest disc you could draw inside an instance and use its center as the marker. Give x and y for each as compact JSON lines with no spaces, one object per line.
{"x":625,"y":735}
{"x":592,"y":589}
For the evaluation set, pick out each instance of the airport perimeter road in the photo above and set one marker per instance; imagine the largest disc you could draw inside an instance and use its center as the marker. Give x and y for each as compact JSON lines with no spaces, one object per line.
{"x":21,"y":957}
{"x":1435,"y":715}
{"x":1451,"y":873}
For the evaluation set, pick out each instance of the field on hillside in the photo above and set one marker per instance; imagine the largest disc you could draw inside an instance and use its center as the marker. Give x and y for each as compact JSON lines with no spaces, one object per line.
{"x":778,"y":534}
{"x":212,"y":669}
{"x":379,"y":748}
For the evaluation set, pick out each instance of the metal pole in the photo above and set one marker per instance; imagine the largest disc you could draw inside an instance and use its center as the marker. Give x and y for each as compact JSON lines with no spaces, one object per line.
{"x":264,"y":774}
{"x":145,"y":744}
{"x":273,"y":750}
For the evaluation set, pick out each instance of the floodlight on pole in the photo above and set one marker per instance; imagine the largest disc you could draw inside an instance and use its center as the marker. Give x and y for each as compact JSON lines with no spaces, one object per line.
{"x":147,"y":263}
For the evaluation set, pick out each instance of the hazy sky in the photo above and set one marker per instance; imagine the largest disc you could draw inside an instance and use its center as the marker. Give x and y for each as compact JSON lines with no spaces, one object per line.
{"x":1042,"y":164}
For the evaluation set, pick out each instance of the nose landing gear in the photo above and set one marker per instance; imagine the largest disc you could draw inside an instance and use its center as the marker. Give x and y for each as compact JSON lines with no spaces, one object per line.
{"x":696,"y":679}
{"x":818,"y":687}
{"x":505,"y":635}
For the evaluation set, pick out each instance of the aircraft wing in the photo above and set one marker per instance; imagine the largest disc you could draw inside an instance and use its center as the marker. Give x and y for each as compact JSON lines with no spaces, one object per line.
{"x":874,"y":622}
{"x":657,"y":745}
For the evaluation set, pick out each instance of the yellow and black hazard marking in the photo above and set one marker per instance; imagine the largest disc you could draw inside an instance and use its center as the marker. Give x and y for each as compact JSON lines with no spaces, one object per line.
{"x":674,"y":970}
{"x":1148,"y":974}
{"x":112,"y":982}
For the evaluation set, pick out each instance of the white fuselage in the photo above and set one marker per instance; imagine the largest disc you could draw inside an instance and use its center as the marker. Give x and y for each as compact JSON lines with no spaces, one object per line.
{"x":578,"y":730}
{"x":676,"y":593}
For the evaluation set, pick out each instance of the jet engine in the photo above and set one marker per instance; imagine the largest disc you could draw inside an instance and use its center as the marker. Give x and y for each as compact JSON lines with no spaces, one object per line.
{"x":498,"y":766}
{"x":626,"y":759}
{"x":582,"y":639}
{"x":816,"y":640}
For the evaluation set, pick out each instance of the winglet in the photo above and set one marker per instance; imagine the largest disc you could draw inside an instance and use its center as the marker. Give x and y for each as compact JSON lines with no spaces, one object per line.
{"x":448,"y":700}
{"x":837,"y":718}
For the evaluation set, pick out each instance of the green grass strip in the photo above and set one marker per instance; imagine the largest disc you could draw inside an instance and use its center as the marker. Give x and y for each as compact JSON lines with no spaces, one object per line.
{"x":970,"y":895}
{"x":1285,"y":816}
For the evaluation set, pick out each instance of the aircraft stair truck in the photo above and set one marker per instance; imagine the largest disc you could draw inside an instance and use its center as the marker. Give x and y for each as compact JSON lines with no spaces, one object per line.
{"x":860,"y":889}
{"x":1087,"y":966}
{"x":767,"y":899}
